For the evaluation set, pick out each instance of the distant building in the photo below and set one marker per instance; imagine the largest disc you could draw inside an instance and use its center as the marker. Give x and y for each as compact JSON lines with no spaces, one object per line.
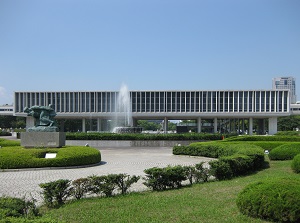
{"x":286,"y":83}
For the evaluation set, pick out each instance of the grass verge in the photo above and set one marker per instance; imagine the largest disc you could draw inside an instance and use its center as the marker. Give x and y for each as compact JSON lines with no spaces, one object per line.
{"x":209,"y":202}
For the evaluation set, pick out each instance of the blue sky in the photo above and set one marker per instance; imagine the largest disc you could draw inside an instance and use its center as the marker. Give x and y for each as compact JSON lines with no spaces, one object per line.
{"x":95,"y":45}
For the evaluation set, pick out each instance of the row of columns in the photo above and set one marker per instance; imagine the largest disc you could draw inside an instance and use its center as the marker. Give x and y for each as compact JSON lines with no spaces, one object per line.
{"x":272,"y":124}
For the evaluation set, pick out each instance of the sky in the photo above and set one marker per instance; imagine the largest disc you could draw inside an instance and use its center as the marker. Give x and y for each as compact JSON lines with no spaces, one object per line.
{"x":98,"y":45}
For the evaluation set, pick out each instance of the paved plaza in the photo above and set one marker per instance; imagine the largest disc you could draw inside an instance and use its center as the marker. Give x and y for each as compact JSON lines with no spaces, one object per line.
{"x":130,"y":160}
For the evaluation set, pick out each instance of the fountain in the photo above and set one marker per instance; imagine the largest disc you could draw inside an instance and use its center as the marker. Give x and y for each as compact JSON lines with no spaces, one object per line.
{"x":123,"y":119}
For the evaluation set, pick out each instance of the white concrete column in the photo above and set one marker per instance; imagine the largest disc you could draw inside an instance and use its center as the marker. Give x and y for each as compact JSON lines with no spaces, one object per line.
{"x":272,"y":125}
{"x":199,"y":124}
{"x":250,"y":126}
{"x":165,"y":125}
{"x":99,"y":121}
{"x":215,"y":125}
{"x":29,"y":122}
{"x":83,"y":125}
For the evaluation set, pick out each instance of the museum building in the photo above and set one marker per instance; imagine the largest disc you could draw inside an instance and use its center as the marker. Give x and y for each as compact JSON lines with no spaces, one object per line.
{"x":214,"y":111}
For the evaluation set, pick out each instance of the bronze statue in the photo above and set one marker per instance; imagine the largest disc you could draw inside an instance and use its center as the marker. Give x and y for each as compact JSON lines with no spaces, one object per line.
{"x":44,"y":118}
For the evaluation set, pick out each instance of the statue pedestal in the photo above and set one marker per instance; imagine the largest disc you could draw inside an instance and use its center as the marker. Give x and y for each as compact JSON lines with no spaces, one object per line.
{"x":43,"y":139}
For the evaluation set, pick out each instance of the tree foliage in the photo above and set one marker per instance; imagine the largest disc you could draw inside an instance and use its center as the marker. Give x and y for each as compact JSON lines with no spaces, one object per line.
{"x":288,"y":123}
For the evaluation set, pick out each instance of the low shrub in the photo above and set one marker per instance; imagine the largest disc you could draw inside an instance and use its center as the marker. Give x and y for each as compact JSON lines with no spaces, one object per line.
{"x":124,"y":181}
{"x":103,"y":184}
{"x":164,"y":178}
{"x":283,"y":138}
{"x":267,"y":145}
{"x":4,"y":133}
{"x":288,"y":133}
{"x":296,"y":164}
{"x":12,"y":207}
{"x":7,"y":143}
{"x":16,"y":207}
{"x":240,"y":158}
{"x":135,"y":136}
{"x":285,"y":152}
{"x":80,"y":187}
{"x":17,"y":157}
{"x":274,"y":200}
{"x":221,"y":170}
{"x":107,"y":184}
{"x":56,"y":192}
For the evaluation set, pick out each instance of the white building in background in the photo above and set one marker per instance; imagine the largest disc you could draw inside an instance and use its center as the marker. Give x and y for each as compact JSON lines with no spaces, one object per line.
{"x":286,"y":83}
{"x":215,"y":111}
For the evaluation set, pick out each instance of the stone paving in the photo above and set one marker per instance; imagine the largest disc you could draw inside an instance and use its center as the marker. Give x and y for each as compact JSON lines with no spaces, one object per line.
{"x":130,"y":160}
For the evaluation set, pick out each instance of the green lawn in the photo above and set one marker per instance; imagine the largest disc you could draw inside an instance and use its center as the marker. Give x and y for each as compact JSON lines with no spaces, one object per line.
{"x":209,"y":202}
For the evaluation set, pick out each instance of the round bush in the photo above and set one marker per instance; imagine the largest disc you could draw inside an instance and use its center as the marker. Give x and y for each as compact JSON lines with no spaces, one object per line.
{"x":17,"y":157}
{"x":285,"y":152}
{"x":275,"y":200}
{"x":296,"y":164}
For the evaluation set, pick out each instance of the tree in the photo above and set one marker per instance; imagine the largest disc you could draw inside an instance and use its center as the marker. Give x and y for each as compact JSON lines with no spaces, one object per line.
{"x":288,"y":123}
{"x":7,"y":121}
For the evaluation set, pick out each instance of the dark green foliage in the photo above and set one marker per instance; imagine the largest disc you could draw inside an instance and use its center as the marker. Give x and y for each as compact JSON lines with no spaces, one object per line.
{"x":235,"y":158}
{"x":288,"y":133}
{"x":267,"y":145}
{"x":7,"y":143}
{"x":56,"y":192}
{"x":80,"y":187}
{"x":4,"y":133}
{"x":12,"y":207}
{"x":202,"y":173}
{"x":296,"y":164}
{"x":107,"y":184}
{"x":17,"y":157}
{"x":221,"y":170}
{"x":190,"y":172}
{"x":239,"y":164}
{"x":265,"y":138}
{"x":164,"y":178}
{"x":115,"y":136}
{"x":274,"y":200}
{"x":285,"y":152}
{"x":288,"y":123}
{"x":16,"y":207}
{"x":207,"y":149}
{"x":124,"y":181}
{"x":103,"y":184}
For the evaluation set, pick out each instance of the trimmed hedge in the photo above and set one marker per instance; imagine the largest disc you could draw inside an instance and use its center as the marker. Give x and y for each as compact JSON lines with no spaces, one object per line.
{"x":275,"y":200}
{"x":288,"y":133}
{"x":285,"y":152}
{"x":5,"y":143}
{"x":18,"y":157}
{"x":296,"y":164}
{"x":164,"y":178}
{"x":134,"y":136}
{"x":235,"y":159}
{"x":4,"y":133}
{"x":264,"y":138}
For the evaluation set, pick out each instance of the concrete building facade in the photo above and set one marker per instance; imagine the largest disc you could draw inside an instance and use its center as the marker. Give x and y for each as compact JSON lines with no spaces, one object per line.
{"x":286,"y":83}
{"x":214,"y":111}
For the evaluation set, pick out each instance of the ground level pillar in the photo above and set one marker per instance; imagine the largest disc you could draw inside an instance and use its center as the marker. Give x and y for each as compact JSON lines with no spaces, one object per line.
{"x":272,"y":125}
{"x":251,"y":126}
{"x":199,"y":122}
{"x":83,"y":125}
{"x":165,"y":127}
{"x":215,"y":125}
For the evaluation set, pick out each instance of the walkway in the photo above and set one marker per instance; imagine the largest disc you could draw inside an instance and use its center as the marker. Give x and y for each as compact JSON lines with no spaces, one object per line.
{"x":130,"y":160}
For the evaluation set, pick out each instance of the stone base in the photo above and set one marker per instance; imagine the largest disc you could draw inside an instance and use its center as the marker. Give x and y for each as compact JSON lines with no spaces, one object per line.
{"x":43,"y":139}
{"x":43,"y":129}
